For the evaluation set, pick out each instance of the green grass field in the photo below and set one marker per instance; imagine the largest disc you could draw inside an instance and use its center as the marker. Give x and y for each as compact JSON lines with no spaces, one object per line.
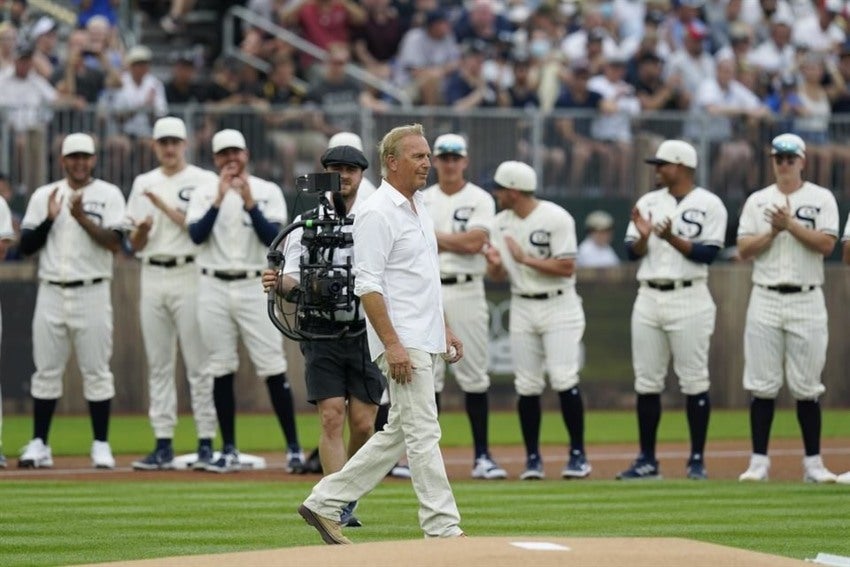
{"x":50,"y":523}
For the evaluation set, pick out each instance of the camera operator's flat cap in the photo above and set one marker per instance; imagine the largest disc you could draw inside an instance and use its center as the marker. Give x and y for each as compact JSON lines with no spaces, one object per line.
{"x":347,"y":155}
{"x":77,"y":144}
{"x":515,"y":175}
{"x":225,"y":139}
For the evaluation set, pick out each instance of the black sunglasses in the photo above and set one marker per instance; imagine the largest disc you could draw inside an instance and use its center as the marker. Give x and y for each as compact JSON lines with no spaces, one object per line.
{"x":790,"y":158}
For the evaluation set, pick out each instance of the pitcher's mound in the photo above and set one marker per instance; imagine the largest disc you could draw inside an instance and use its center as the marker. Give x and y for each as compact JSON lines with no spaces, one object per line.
{"x":494,"y":552}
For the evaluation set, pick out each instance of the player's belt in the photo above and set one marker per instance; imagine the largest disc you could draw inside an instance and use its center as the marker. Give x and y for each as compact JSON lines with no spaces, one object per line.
{"x":170,"y":262}
{"x":460,"y":278}
{"x":667,"y":285}
{"x":546,"y":295}
{"x":229,"y":276}
{"x":76,"y":283}
{"x":783,"y":289}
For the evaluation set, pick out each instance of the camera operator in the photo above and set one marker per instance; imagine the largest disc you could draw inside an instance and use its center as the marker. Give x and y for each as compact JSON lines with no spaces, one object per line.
{"x":338,"y":372}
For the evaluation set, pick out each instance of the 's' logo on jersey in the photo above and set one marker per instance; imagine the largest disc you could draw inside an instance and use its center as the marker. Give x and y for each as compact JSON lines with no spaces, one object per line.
{"x":94,"y":209}
{"x":185,"y":193}
{"x":460,"y":218}
{"x":541,"y":241}
{"x":692,"y":223}
{"x":807,"y":214}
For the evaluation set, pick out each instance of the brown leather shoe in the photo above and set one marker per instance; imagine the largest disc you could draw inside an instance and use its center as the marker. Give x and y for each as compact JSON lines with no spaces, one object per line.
{"x":329,"y":530}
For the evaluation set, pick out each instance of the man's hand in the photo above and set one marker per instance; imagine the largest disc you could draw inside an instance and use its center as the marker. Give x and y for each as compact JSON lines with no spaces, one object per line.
{"x":398,"y":361}
{"x":664,"y":229}
{"x":76,"y":203}
{"x":779,"y":217}
{"x":269,"y":279}
{"x":515,"y":250}
{"x":243,"y":187}
{"x":643,"y":225}
{"x":493,"y":256}
{"x":225,"y":181}
{"x":454,"y":347}
{"x":54,"y":204}
{"x":144,"y":226}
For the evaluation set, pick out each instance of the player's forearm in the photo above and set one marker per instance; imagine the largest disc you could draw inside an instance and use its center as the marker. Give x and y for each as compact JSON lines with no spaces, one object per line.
{"x":175,"y":216}
{"x":266,"y":231}
{"x":815,"y":240}
{"x":32,"y":239}
{"x":138,"y":239}
{"x":376,"y":310}
{"x":104,"y":237}
{"x":200,"y":230}
{"x":463,"y":242}
{"x":683,"y":246}
{"x":637,"y":248}
{"x":751,"y":246}
{"x":561,"y":267}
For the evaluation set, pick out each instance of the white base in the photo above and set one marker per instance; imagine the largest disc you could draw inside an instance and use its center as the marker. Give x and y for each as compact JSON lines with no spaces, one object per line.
{"x":248,"y":462}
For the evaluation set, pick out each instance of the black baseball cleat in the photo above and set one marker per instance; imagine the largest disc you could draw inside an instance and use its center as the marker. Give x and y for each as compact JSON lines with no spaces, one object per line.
{"x":641,"y":469}
{"x":696,"y":469}
{"x":161,"y":459}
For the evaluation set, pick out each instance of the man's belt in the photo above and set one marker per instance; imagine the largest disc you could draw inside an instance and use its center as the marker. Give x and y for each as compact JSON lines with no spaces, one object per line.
{"x":546,"y":295}
{"x":783,"y":289}
{"x":76,"y":283}
{"x":460,"y":278}
{"x":228,"y":276}
{"x":668,"y":285}
{"x":170,"y":262}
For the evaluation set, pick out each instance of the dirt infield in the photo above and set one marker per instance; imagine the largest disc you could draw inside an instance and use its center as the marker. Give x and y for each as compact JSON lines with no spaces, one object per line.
{"x":724,"y":459}
{"x":495,"y":552}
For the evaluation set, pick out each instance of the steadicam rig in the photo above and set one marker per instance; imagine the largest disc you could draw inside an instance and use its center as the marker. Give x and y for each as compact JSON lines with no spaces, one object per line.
{"x":323,"y":305}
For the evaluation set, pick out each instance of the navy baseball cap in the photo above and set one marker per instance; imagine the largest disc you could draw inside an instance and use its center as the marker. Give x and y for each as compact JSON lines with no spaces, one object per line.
{"x":347,"y":155}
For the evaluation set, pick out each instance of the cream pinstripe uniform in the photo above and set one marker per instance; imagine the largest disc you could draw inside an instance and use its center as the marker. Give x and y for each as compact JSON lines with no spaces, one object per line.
{"x":82,"y":313}
{"x":471,"y":208}
{"x":786,"y":333}
{"x":169,"y":305}
{"x":545,"y":333}
{"x":6,"y":233}
{"x":678,"y":321}
{"x":229,"y":308}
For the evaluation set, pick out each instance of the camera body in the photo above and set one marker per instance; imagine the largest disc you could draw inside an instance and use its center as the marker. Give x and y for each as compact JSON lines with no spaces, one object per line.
{"x":317,"y":182}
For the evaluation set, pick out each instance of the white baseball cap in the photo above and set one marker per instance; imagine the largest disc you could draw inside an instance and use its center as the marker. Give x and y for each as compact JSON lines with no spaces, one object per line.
{"x":599,"y":220}
{"x":43,"y":25}
{"x":788,"y":144}
{"x":675,"y":151}
{"x":346,"y":139}
{"x":169,"y":127}
{"x":450,"y":144}
{"x":228,"y":139}
{"x":138,"y":54}
{"x":77,"y":144}
{"x":516,"y":175}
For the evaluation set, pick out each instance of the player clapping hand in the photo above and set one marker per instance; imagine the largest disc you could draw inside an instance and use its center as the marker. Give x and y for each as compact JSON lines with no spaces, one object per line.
{"x":643,"y":225}
{"x":54,"y":204}
{"x":76,"y":203}
{"x":779,"y":217}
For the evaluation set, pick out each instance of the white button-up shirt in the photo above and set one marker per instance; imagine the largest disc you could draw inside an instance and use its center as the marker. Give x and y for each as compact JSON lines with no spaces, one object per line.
{"x":395,"y":252}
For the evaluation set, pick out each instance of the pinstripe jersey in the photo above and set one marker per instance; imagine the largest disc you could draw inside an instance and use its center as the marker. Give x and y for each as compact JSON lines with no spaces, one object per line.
{"x":787,"y":261}
{"x":70,"y":253}
{"x":699,"y":217}
{"x":233,"y":244}
{"x":165,"y":237}
{"x":470,"y":208}
{"x":548,"y":232}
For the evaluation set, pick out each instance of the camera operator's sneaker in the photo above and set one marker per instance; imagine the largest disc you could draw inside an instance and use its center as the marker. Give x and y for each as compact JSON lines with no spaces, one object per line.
{"x":486,"y":468}
{"x":696,"y":469}
{"x":533,"y":469}
{"x":641,"y":469}
{"x":295,"y":462}
{"x":347,"y":517}
{"x":101,"y":455}
{"x":815,"y":471}
{"x":36,"y":455}
{"x":160,"y":459}
{"x":576,"y":467}
{"x":227,"y":462}
{"x":758,"y":469}
{"x":205,"y":455}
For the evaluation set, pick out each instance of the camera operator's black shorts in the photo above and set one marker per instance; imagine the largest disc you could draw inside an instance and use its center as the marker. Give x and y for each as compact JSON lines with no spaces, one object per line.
{"x":340,"y":369}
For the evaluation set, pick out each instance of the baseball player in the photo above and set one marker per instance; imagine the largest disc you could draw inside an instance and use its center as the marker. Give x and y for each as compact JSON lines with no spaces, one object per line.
{"x":77,"y":224}
{"x":168,"y":309}
{"x":463,"y":215}
{"x":341,"y":377}
{"x":845,"y":478}
{"x":7,"y":236}
{"x":786,"y":229}
{"x":675,"y":232}
{"x":234,"y":220}
{"x":534,"y":243}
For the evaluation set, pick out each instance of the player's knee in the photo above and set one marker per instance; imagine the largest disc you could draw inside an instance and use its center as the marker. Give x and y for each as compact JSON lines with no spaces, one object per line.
{"x":562,"y":381}
{"x":529,"y":389}
{"x":694,"y":387}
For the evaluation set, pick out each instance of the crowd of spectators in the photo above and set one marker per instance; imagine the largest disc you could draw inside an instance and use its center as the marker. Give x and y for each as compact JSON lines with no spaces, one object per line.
{"x":754,"y":67}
